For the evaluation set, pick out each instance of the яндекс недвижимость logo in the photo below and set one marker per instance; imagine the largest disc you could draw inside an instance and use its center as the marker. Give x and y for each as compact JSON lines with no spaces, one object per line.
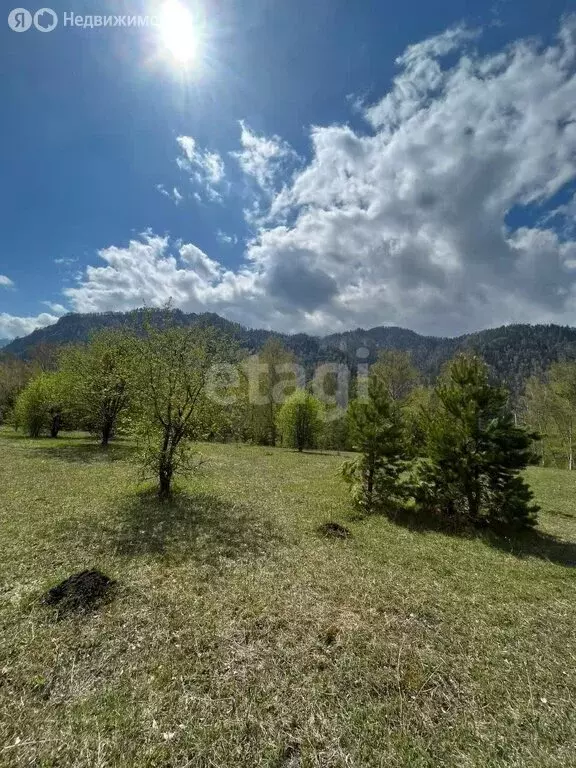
{"x":20,"y":20}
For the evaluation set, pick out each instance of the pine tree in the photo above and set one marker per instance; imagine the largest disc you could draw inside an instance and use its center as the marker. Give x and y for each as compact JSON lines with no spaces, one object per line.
{"x":376,"y":431}
{"x":476,"y":451}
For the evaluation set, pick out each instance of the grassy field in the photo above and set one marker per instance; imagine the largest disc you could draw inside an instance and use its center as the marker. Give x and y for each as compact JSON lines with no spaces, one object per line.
{"x":239,"y":637}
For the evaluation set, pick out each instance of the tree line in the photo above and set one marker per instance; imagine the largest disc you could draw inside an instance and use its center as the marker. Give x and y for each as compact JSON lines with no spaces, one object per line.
{"x":513,"y":352}
{"x":453,"y":450}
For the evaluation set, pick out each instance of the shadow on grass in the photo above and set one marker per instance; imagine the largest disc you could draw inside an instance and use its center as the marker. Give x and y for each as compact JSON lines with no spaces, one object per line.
{"x":85,"y":453}
{"x":202,"y":526}
{"x":317,"y":453}
{"x":564,"y":515}
{"x":539,"y":544}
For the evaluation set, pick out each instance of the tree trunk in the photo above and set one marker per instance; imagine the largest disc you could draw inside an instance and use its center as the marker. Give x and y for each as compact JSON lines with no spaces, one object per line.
{"x":370,"y":482}
{"x":106,"y":433}
{"x":165,"y":481}
{"x":166,"y":470}
{"x":55,"y":426}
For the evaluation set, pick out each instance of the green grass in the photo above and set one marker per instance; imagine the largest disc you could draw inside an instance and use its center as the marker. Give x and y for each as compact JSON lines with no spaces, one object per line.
{"x":239,"y":638}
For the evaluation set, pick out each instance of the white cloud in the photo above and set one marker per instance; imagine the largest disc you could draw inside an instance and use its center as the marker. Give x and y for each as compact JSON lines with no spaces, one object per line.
{"x":149,"y":271}
{"x":266,"y":159}
{"x":11,"y":327}
{"x":5,"y":282}
{"x":58,"y":309}
{"x":175,"y":195}
{"x":406,"y":223}
{"x":204,"y":168}
{"x":227,"y":239}
{"x":67,"y":262}
{"x":420,"y":79}
{"x":202,"y":265}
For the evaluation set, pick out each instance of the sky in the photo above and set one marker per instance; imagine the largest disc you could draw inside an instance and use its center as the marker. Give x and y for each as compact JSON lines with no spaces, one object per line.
{"x":303,"y":166}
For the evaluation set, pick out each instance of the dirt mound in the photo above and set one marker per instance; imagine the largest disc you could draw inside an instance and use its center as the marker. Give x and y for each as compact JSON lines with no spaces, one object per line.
{"x":335,"y":530}
{"x":83,"y":591}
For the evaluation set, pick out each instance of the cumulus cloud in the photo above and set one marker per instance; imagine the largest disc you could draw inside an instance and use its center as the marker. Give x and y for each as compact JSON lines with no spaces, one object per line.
{"x":150,"y":271}
{"x":265,"y":159}
{"x":5,"y":282}
{"x":205,"y":168}
{"x":12,"y":327}
{"x":58,"y":309}
{"x":407,"y":222}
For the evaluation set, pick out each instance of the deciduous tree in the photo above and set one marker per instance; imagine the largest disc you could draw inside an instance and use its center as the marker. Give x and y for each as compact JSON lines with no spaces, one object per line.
{"x":39,"y":407}
{"x":171,"y":406}
{"x":300,"y":420}
{"x":97,"y":376}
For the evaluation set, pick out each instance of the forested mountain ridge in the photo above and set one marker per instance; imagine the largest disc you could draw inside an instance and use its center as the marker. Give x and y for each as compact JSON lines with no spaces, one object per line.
{"x":513,"y":352}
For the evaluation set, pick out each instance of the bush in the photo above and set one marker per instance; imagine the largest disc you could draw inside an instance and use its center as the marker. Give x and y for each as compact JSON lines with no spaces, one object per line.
{"x":39,"y":407}
{"x":300,"y":420}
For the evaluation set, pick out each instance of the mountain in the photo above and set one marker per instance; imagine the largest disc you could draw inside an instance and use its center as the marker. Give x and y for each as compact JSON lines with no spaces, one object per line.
{"x":514,"y":352}
{"x":4,"y":343}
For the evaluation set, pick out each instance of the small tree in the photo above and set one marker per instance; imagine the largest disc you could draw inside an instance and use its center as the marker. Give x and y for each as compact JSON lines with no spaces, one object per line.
{"x":39,"y":406}
{"x":550,"y":405}
{"x":376,"y":431}
{"x":14,"y":375}
{"x":170,"y":404}
{"x":97,"y":381}
{"x":300,"y":420}
{"x":272,"y":371}
{"x":476,"y":452}
{"x":537,"y":405}
{"x":397,"y":372}
{"x":335,"y":431}
{"x":562,"y":405}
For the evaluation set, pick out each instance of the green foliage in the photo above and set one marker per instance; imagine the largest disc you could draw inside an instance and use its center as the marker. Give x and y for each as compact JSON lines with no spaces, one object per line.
{"x":14,"y":374}
{"x":550,"y":407}
{"x":376,"y":432}
{"x":415,"y":413}
{"x":172,"y":406}
{"x":270,"y":377}
{"x":395,"y":369}
{"x":39,"y":406}
{"x":475,"y":453}
{"x":96,"y":380}
{"x":300,"y":420}
{"x":513,"y":353}
{"x":335,"y":435}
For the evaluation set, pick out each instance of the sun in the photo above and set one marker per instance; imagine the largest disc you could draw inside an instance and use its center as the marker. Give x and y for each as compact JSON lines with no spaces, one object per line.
{"x":180,"y":32}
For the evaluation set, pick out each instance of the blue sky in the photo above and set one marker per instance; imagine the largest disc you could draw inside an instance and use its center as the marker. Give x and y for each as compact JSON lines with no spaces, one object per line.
{"x":297,"y":173}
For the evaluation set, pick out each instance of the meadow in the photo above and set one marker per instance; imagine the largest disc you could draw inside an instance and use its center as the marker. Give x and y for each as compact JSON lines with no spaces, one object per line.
{"x":239,"y":636}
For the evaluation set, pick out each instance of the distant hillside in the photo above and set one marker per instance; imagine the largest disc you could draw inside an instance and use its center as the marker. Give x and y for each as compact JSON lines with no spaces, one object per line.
{"x":4,"y":342}
{"x":514,"y":352}
{"x":77,"y":328}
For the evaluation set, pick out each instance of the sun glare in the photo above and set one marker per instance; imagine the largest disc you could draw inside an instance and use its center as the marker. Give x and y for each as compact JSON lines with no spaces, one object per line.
{"x":180,"y":32}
